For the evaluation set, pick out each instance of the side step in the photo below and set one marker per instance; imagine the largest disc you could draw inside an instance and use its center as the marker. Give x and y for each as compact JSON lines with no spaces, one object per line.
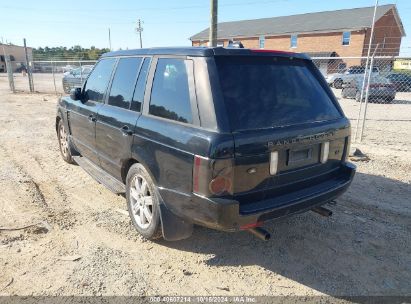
{"x":100,"y":175}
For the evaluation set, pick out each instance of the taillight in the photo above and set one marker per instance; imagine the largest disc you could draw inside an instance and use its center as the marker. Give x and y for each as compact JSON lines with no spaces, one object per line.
{"x":212,"y":177}
{"x":273,"y":162}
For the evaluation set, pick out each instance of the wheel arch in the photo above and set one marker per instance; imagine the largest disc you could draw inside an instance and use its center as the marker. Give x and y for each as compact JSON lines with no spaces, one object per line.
{"x":58,"y":118}
{"x":126,"y":167}
{"x":136,"y":160}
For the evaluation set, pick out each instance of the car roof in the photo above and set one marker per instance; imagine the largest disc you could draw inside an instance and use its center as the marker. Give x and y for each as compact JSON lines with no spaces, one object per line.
{"x":204,"y":52}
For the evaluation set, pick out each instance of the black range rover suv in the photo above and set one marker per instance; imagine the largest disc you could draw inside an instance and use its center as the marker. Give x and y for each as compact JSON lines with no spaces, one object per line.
{"x":224,"y":138}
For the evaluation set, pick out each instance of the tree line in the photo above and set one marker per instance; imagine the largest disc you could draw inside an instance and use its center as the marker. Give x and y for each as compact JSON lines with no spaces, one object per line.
{"x":63,"y":53}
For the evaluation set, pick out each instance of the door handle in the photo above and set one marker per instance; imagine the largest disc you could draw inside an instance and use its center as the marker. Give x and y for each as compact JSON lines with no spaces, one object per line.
{"x":92,"y":118}
{"x":126,"y":131}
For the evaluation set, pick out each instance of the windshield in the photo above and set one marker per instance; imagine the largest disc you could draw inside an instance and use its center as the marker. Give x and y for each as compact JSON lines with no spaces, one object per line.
{"x":263,"y":92}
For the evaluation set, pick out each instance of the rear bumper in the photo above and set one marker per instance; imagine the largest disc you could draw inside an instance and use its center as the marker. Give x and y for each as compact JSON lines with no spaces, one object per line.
{"x":229,"y":215}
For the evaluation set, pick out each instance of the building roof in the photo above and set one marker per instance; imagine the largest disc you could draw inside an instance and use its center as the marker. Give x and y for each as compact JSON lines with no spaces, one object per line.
{"x":202,"y":52}
{"x":329,"y":21}
{"x":8,"y":45}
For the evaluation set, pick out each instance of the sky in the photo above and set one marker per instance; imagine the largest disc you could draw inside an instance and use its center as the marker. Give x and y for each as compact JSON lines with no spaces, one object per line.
{"x":165,"y":23}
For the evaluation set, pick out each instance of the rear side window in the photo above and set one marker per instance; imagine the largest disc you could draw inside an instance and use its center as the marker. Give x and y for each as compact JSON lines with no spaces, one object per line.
{"x":138,"y":96}
{"x":264,"y":92}
{"x":123,"y":83}
{"x":97,"y":82}
{"x":170,"y":96}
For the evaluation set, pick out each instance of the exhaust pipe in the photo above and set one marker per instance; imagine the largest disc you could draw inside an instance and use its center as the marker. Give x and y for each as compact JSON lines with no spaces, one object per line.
{"x":261,"y":233}
{"x":322,"y":211}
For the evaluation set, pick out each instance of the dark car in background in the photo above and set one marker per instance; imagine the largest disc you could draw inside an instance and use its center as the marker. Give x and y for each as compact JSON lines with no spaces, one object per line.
{"x":380,"y":89}
{"x":223,"y":138}
{"x":402,"y":82}
{"x":75,"y":77}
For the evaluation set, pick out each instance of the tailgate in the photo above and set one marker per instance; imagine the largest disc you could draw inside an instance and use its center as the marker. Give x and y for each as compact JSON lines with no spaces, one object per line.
{"x":300,"y":150}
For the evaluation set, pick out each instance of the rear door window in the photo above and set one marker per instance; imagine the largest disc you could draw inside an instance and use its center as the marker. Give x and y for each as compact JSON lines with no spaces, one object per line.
{"x":264,"y":92}
{"x":96,"y":85}
{"x":170,"y":96}
{"x":124,"y":79}
{"x":138,"y":96}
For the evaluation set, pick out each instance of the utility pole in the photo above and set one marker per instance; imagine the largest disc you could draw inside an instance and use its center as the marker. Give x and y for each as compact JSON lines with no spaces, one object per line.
{"x":30,"y":76}
{"x":366,"y":70}
{"x":109,"y":38}
{"x":139,"y":29}
{"x":212,"y":39}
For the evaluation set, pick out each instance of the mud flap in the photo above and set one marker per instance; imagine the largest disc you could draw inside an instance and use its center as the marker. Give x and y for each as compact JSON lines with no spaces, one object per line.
{"x":174,"y":228}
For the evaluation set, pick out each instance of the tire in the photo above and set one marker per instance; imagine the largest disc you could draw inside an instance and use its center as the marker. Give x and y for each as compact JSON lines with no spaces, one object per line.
{"x":338,"y":83}
{"x":64,"y":144}
{"x":142,"y":202}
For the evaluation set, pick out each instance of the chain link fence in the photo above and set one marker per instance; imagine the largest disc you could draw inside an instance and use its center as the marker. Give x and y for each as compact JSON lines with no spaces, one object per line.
{"x":52,"y":76}
{"x":383,"y":96}
{"x":377,"y":100}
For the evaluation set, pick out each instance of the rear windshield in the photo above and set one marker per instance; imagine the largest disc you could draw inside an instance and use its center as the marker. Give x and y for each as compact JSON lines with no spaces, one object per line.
{"x":264,"y":92}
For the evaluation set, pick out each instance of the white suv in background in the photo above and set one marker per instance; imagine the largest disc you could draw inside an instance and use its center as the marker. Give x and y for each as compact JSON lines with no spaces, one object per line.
{"x":336,"y":80}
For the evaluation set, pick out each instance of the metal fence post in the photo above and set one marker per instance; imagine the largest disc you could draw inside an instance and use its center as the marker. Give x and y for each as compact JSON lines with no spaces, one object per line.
{"x":366,"y":68}
{"x":81,"y":72}
{"x":30,"y":73}
{"x":367,"y":92}
{"x":28,"y":67}
{"x":10,"y":73}
{"x":54,"y":76}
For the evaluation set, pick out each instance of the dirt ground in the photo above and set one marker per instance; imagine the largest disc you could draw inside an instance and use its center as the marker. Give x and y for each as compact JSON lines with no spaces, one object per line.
{"x":80,"y":240}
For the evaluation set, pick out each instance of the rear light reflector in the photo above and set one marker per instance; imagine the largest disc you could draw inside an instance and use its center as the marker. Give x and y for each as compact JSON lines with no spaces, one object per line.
{"x":200,"y":174}
{"x":273,"y":162}
{"x":220,"y":185}
{"x":325,"y":152}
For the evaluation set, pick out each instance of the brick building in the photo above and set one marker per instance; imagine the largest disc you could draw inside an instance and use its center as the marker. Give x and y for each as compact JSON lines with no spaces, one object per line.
{"x":342,"y":33}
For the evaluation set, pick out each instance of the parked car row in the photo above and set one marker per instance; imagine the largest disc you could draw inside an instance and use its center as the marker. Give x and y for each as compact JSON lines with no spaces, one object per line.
{"x":75,"y":77}
{"x":382,"y":88}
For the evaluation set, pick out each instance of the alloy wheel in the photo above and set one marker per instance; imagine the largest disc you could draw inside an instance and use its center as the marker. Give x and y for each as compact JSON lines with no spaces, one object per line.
{"x":63,"y":141}
{"x":141,"y":201}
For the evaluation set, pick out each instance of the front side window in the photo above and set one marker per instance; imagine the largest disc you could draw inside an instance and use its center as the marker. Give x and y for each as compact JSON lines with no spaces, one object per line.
{"x":124,"y":80}
{"x":262,"y":42}
{"x":138,"y":96}
{"x":97,"y":82}
{"x":170,"y":96}
{"x":346,"y":38}
{"x":293,"y":41}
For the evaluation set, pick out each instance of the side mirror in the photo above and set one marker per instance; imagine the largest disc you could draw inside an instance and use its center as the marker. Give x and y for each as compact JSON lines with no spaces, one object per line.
{"x":75,"y":94}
